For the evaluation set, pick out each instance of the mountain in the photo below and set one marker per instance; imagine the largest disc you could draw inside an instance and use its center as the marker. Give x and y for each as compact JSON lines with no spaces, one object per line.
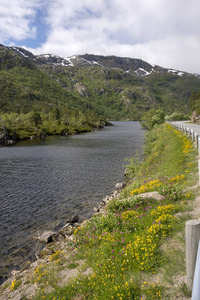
{"x":115,"y":87}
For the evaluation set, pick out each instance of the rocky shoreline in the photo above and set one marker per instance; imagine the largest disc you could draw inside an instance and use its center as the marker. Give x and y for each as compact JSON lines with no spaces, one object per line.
{"x":67,"y":230}
{"x":73,"y":222}
{"x":53,"y":241}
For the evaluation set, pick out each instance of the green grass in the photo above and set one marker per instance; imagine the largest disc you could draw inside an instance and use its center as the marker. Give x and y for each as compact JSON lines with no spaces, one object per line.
{"x":137,"y":248}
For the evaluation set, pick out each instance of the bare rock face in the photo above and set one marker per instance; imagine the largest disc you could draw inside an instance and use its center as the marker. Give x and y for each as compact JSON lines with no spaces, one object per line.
{"x":195,"y":118}
{"x":82,"y":90}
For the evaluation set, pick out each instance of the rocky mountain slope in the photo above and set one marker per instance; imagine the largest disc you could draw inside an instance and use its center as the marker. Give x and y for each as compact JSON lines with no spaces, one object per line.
{"x":115,"y":87}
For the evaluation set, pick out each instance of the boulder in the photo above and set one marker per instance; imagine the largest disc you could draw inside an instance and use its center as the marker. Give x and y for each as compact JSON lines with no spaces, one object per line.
{"x":46,"y":236}
{"x":115,"y":193}
{"x":96,"y":209}
{"x":120,"y":185}
{"x":57,"y":237}
{"x":106,"y":199}
{"x":150,"y":195}
{"x":10,"y":142}
{"x":66,"y":230}
{"x":73,"y":219}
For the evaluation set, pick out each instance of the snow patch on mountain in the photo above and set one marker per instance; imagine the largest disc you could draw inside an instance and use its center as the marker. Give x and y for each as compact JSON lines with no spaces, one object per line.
{"x":20,"y":52}
{"x":142,"y":72}
{"x":180,"y":73}
{"x":96,"y":63}
{"x":171,"y":71}
{"x":69,"y":61}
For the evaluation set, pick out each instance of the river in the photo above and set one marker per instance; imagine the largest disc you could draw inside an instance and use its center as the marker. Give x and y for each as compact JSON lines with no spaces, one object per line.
{"x":44,"y":182}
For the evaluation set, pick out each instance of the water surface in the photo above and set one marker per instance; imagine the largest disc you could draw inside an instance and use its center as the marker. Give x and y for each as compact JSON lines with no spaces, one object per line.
{"x":44,"y":182}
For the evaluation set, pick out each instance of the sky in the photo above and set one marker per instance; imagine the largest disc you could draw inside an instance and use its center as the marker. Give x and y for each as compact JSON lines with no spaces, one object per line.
{"x":161,"y":32}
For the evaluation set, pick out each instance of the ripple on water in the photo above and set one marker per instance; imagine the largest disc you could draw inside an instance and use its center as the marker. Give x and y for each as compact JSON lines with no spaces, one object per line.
{"x":43,"y":182}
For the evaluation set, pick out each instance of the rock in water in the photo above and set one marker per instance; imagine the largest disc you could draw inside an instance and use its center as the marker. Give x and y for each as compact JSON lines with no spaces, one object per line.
{"x":73,"y":219}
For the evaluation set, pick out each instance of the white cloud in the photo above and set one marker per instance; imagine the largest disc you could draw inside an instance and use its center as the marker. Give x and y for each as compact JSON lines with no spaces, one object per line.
{"x":158,"y":31}
{"x":16,"y":18}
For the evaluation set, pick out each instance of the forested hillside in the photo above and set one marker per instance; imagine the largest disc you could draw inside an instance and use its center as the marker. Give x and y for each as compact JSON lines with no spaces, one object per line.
{"x":56,"y":95}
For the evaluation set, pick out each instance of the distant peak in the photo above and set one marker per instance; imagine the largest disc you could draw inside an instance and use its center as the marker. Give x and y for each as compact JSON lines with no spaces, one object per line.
{"x":129,"y":65}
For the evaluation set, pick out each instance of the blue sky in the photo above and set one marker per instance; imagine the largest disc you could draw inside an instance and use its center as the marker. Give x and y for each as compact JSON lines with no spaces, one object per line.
{"x":162,"y":32}
{"x":41,"y":34}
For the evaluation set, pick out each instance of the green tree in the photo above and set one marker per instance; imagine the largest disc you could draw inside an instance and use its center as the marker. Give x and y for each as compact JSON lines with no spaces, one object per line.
{"x":34,"y":118}
{"x":192,"y":101}
{"x":152,"y":118}
{"x":177,"y":117}
{"x":54,"y":114}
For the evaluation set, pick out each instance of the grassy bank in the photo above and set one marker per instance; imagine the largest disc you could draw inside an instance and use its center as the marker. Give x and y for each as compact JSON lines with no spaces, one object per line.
{"x":135,"y":249}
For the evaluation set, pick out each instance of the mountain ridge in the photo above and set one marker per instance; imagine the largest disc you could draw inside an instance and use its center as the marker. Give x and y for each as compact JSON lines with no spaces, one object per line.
{"x":140,"y":66}
{"x":119,"y":88}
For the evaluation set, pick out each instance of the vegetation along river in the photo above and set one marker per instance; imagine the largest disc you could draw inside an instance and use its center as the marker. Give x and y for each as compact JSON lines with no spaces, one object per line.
{"x":44,"y":182}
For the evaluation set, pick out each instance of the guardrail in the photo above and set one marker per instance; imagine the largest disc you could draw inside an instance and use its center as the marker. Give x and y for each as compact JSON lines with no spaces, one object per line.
{"x":189,"y":132}
{"x":192,"y":230}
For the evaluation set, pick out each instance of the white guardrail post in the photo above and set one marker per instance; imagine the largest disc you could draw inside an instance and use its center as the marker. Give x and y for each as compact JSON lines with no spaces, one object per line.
{"x":198,"y":146}
{"x":192,"y":241}
{"x":196,"y":140}
{"x":196,"y":282}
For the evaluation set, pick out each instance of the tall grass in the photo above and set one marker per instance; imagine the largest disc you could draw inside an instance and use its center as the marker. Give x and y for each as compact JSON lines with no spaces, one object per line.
{"x":127,"y":248}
